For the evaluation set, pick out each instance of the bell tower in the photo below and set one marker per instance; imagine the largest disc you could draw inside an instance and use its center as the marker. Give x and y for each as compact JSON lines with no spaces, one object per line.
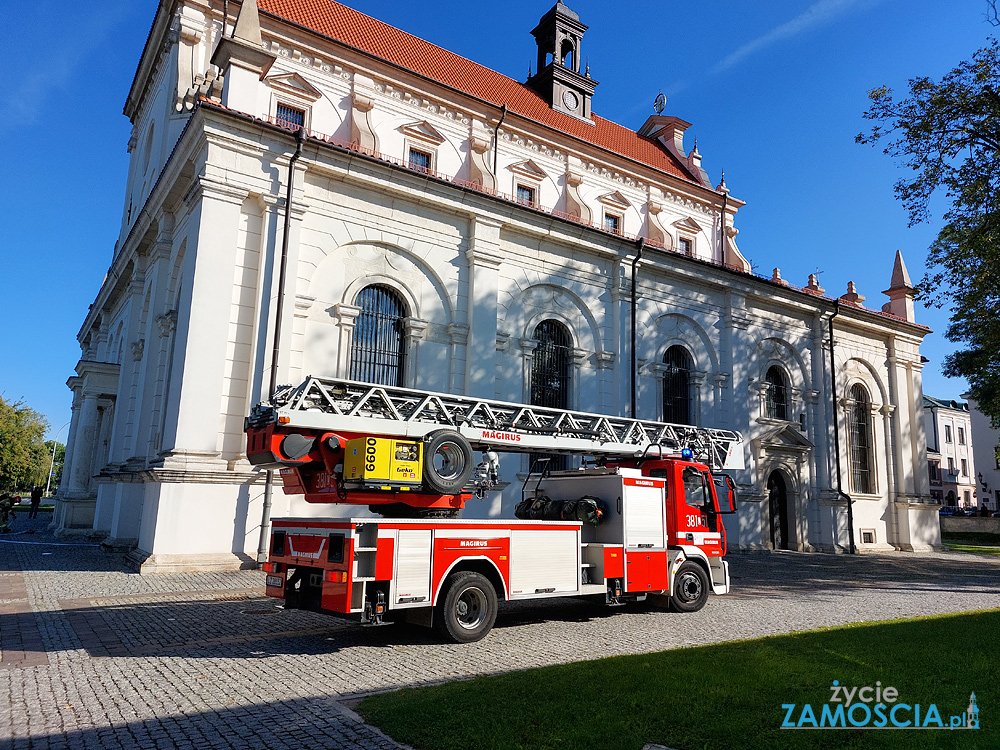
{"x":559,"y":36}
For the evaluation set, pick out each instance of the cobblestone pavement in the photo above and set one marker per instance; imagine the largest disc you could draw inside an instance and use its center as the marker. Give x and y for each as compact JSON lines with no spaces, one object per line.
{"x":94,"y":657}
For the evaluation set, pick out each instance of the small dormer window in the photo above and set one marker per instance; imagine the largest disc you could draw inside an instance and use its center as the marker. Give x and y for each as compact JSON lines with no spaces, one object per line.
{"x":612,"y":223}
{"x":525,"y":195}
{"x":686,"y":246}
{"x":289,"y":117}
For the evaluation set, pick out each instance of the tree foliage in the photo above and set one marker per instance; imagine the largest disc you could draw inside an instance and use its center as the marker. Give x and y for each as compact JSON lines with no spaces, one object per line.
{"x":24,"y":461}
{"x":947,"y":136}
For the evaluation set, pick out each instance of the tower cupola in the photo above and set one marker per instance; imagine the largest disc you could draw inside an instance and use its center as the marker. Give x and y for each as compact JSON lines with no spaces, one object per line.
{"x":559,"y":35}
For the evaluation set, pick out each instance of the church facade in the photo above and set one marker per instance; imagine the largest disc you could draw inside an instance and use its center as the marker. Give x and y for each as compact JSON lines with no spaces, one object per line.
{"x":312,"y":191}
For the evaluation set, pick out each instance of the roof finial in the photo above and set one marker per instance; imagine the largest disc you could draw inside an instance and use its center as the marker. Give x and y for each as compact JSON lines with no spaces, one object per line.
{"x":529,"y":70}
{"x":247,"y":26}
{"x":588,"y":67}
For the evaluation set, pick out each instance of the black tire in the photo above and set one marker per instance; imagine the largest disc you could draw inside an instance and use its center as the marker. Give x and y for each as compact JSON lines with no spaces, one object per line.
{"x":447,"y":462}
{"x":467,"y":609}
{"x":690,"y":588}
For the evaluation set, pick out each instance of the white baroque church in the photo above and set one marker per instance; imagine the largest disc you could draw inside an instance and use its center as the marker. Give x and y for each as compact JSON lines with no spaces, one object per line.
{"x":312,"y":191}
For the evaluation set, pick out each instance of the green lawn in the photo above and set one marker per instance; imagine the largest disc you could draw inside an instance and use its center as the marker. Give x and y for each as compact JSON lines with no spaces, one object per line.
{"x":971,"y":541}
{"x":722,"y":697}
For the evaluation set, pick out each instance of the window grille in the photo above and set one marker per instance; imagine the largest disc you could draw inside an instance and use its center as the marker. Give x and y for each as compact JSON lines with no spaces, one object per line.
{"x":419,"y":160}
{"x":862,"y":463}
{"x":525,"y":194}
{"x":378,"y":348}
{"x":686,"y":246}
{"x":550,"y":375}
{"x":290,"y":117}
{"x":677,"y":386}
{"x":776,"y":395}
{"x":612,"y":223}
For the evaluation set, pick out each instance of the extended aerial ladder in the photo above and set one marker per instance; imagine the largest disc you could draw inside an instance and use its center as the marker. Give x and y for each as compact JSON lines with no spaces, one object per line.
{"x":423,"y":441}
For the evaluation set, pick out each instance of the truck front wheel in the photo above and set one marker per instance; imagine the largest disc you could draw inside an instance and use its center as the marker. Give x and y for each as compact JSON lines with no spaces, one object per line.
{"x":690,"y":588}
{"x":468,"y":608}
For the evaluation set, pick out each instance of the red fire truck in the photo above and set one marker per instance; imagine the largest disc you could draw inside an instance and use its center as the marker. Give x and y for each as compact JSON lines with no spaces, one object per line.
{"x":641,"y":518}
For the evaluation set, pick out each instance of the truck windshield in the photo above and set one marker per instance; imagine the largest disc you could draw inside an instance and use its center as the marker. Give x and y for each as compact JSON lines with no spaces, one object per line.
{"x":695,"y":492}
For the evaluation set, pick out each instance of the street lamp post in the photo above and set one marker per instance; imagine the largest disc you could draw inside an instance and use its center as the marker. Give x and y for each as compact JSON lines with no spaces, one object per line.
{"x":52,"y":462}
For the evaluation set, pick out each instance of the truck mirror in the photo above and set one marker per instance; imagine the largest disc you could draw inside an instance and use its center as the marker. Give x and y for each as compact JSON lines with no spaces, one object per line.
{"x":725,"y":492}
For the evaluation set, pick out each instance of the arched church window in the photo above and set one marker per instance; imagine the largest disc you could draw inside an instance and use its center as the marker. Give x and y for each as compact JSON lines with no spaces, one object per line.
{"x":862,"y":459}
{"x":776,"y":394}
{"x":677,"y":386}
{"x":550,"y":374}
{"x":378,"y":349}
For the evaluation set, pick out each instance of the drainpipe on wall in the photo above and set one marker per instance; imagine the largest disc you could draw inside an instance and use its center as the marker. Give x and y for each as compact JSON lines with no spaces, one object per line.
{"x":641,"y":245}
{"x":836,"y":432}
{"x":496,"y":147}
{"x":265,"y":517}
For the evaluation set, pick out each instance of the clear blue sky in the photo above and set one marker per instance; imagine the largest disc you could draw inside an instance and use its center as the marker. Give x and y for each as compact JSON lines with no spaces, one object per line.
{"x":774,"y":92}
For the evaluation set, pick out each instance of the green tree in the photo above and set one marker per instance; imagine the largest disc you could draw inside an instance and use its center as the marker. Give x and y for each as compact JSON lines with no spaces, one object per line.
{"x":947,"y":135}
{"x":24,"y":461}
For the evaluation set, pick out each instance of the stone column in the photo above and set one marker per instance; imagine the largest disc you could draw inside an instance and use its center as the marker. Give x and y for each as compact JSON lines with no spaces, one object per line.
{"x":72,"y":437}
{"x":528,"y":347}
{"x":697,"y":380}
{"x":484,"y":258}
{"x":458,"y":337}
{"x":415,"y":330}
{"x":84,"y":447}
{"x":577,"y":357}
{"x":192,"y":426}
{"x":347,"y":317}
{"x":605,"y":368}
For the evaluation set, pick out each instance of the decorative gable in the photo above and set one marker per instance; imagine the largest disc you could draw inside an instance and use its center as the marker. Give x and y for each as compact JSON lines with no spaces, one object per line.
{"x":293,"y":83}
{"x":615,"y":200}
{"x":423,"y":131}
{"x":528,"y":168}
{"x":687,"y":225}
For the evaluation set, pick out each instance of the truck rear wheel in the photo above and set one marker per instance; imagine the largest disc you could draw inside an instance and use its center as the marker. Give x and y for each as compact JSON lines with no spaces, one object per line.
{"x":690,"y":588}
{"x":468,"y":608}
{"x":447,"y":462}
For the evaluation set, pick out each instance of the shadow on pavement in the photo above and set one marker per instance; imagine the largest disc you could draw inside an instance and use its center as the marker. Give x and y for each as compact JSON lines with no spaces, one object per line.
{"x":274,"y":722}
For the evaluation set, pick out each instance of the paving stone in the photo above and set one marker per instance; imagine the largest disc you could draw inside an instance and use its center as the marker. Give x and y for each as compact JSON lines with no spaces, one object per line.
{"x":92,"y":656}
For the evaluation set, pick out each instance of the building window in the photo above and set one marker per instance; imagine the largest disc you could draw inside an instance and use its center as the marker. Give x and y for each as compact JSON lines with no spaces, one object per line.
{"x":862,"y":463}
{"x":776,"y":394}
{"x":550,"y":375}
{"x":289,"y":117}
{"x":961,"y":436}
{"x":686,"y":246}
{"x":612,"y":223}
{"x":934,"y":469}
{"x":968,"y":499}
{"x":965,"y":468}
{"x":951,"y":466}
{"x":525,"y":195}
{"x":419,"y":160}
{"x":947,"y":433}
{"x":378,"y":349}
{"x":677,"y":386}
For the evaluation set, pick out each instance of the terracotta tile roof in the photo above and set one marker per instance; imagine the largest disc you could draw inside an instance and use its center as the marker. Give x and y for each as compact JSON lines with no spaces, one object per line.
{"x":370,"y":35}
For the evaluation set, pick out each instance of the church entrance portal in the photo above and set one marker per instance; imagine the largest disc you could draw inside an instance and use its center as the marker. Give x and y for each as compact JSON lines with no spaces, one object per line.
{"x":778,"y":501}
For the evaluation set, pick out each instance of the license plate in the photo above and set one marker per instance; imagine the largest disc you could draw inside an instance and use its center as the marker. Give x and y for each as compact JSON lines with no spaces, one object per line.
{"x":275,"y":581}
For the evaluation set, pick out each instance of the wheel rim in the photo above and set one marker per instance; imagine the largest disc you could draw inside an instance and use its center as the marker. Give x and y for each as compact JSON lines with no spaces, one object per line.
{"x":449,"y":461}
{"x":689,"y":587}
{"x":470,"y":609}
